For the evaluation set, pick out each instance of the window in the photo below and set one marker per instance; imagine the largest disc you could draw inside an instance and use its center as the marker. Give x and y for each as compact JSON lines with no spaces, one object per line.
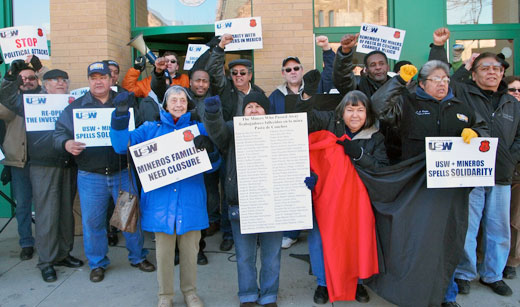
{"x":482,"y":11}
{"x":344,"y":13}
{"x":331,"y":18}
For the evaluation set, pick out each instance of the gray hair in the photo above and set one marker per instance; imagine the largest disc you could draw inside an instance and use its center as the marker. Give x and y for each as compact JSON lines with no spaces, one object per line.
{"x":429,"y":67}
{"x":175,"y":89}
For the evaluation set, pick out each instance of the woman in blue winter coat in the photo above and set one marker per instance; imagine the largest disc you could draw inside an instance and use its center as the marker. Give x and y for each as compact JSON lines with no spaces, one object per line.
{"x":176,"y":211}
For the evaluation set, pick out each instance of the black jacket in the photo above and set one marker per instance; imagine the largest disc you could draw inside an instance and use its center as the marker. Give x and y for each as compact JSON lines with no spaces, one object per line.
{"x":102,"y":160}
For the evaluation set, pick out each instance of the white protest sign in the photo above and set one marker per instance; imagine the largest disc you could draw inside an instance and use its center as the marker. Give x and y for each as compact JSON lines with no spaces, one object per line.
{"x":19,"y":42}
{"x":193,"y":53}
{"x":272,"y":156}
{"x":2,"y":156}
{"x":385,"y":39}
{"x":82,"y":90}
{"x":169,"y":158}
{"x":92,"y":126}
{"x":42,"y":110}
{"x":247,"y":33}
{"x":451,"y":163}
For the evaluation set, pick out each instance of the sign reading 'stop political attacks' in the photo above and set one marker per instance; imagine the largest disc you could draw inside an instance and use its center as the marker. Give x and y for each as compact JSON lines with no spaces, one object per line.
{"x":451,"y":163}
{"x":385,"y":39}
{"x":19,"y":42}
{"x":92,"y":126}
{"x":42,"y":110}
{"x":193,"y":53}
{"x":247,"y":33}
{"x":169,"y":158}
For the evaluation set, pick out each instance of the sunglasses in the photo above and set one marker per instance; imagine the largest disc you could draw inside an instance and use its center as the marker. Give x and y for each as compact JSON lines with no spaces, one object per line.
{"x":172,"y":61}
{"x":512,"y":90}
{"x":236,"y":72}
{"x":30,"y":78}
{"x":289,"y":69}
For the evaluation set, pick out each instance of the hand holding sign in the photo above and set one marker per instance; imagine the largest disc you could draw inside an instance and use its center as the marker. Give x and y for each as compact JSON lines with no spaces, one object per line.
{"x":440,"y":36}
{"x":225,"y":39}
{"x":75,"y":148}
{"x":348,"y":41}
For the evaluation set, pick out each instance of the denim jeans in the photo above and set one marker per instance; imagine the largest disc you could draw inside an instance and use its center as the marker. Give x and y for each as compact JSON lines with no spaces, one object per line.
{"x":246,"y":251}
{"x":316,"y":253}
{"x":225,"y":226}
{"x":489,"y":207}
{"x":22,"y":194}
{"x":452,"y":291}
{"x":95,"y":191}
{"x":293,"y":234}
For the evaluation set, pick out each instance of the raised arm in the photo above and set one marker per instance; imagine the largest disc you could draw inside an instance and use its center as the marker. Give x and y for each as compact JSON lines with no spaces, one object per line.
{"x":343,"y":75}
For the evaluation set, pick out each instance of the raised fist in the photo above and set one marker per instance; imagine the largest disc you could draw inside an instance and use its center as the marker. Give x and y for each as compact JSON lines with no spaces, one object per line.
{"x":348,"y":41}
{"x":440,"y":36}
{"x":323,"y":42}
{"x":225,"y":39}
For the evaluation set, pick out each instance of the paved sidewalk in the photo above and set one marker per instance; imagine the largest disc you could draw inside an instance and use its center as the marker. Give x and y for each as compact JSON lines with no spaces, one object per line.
{"x":21,"y":283}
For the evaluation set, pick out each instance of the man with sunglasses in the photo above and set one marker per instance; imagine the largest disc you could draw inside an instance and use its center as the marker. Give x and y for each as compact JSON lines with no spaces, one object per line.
{"x":292,"y":72}
{"x":486,"y":93}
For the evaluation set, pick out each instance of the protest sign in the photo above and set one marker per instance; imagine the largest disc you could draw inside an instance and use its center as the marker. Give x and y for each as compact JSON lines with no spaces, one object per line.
{"x":247,"y":33}
{"x":42,"y":110}
{"x":272,"y":156}
{"x":19,"y":42}
{"x":451,"y":163}
{"x":92,"y":126}
{"x":169,"y":158}
{"x":82,"y":90}
{"x":193,"y":53}
{"x":385,"y":39}
{"x":2,"y":156}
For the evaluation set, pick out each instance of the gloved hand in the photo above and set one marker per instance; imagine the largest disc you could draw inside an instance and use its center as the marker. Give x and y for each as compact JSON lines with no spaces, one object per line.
{"x":311,"y":181}
{"x":6,"y":175}
{"x":311,"y":80}
{"x":36,"y":64}
{"x":351,"y":148}
{"x":123,"y":101}
{"x":203,"y":142}
{"x":14,"y":70}
{"x":213,"y":42}
{"x":467,"y":134}
{"x":212,"y":104}
{"x":140,"y":63}
{"x":407,"y":72}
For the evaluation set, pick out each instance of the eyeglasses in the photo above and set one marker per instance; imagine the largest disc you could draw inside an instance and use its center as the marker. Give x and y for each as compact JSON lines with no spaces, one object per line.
{"x":172,"y":61}
{"x":289,"y":69}
{"x":495,"y":67}
{"x":236,"y":72}
{"x":439,"y":80}
{"x":29,"y":78}
{"x":56,"y":80}
{"x":512,"y":90}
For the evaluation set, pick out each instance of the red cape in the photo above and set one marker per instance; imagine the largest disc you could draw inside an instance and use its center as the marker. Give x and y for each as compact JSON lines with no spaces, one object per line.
{"x":345,"y":217}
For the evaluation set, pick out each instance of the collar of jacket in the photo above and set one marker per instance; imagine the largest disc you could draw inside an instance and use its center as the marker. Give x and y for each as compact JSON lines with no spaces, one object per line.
{"x":475,"y":89}
{"x":423,"y":95}
{"x":285,"y":92}
{"x":183,"y":121}
{"x":88,"y":99}
{"x":366,"y":133}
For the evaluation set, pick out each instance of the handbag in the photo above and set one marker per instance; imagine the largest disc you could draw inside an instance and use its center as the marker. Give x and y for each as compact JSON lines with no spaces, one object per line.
{"x":126,"y":211}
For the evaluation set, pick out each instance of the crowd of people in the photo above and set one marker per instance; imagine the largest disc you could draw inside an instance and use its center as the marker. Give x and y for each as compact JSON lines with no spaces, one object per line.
{"x":412,"y":245}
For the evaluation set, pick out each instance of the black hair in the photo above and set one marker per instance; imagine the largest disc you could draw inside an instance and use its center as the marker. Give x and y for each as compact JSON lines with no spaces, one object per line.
{"x":356,"y":98}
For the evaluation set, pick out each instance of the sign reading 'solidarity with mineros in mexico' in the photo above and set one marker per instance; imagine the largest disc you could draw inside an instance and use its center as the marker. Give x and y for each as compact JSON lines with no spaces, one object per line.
{"x":43,"y":110}
{"x":92,"y":126}
{"x":169,"y":158}
{"x":19,"y":42}
{"x":451,"y":163}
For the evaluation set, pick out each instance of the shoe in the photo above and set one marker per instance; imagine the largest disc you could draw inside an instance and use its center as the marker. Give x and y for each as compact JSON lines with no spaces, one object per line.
{"x":145,"y":266}
{"x":70,"y":262}
{"x":321,"y":295}
{"x":193,"y":300}
{"x":499,"y":287}
{"x":248,"y":304}
{"x":509,"y":272}
{"x":27,"y":253}
{"x":271,"y":305}
{"x":450,"y":304}
{"x":97,"y":274}
{"x":362,"y":294}
{"x":212,"y":229}
{"x":113,"y":239}
{"x":226,"y":245}
{"x":49,"y":274}
{"x":463,"y":286}
{"x":201,"y":258}
{"x":165,"y":302}
{"x":288,"y":242}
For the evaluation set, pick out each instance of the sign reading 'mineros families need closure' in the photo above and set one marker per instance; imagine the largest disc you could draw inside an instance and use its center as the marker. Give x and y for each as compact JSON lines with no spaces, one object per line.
{"x":381,"y":38}
{"x":451,"y":163}
{"x":169,"y":158}
{"x":19,"y":42}
{"x":92,"y":126}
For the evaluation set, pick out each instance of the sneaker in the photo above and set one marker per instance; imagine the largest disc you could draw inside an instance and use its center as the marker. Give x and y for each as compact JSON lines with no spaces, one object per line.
{"x":288,"y":242}
{"x":165,"y":302}
{"x":450,"y":304}
{"x":509,"y":272}
{"x":193,"y":300}
{"x":321,"y":295}
{"x":362,"y":294}
{"x":499,"y":287}
{"x":226,"y":245}
{"x":49,"y":274}
{"x":463,"y":286}
{"x":27,"y":253}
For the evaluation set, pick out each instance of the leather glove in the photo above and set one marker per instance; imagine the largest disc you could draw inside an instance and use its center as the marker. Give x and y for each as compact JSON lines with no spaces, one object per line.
{"x":36,"y":64}
{"x":467,"y":134}
{"x":311,"y":181}
{"x":14,"y":70}
{"x":213,"y":42}
{"x":407,"y":72}
{"x":311,"y":80}
{"x":203,"y":142}
{"x":212,"y":104}
{"x":351,"y":148}
{"x":140,"y":63}
{"x":122,"y":102}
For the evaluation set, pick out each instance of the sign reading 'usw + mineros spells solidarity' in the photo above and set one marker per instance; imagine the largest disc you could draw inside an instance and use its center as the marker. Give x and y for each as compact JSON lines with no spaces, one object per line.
{"x":247,"y":33}
{"x":19,"y":42}
{"x":42,"y":110}
{"x":451,"y":163}
{"x":92,"y":126}
{"x":169,"y":158}
{"x":385,"y":39}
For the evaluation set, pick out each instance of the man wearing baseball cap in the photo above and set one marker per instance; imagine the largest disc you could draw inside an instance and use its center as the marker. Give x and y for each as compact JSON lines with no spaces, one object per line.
{"x":101,"y":174}
{"x":292,"y":72}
